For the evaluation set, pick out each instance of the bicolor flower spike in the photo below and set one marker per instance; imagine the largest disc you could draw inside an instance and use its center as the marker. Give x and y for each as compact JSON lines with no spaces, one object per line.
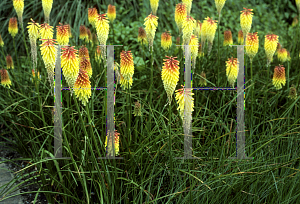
{"x":270,"y":46}
{"x":46,"y":31}
{"x":154,"y":5}
{"x":126,"y":65}
{"x":185,"y":103}
{"x":187,"y":29}
{"x":47,"y":6}
{"x":70,"y":64}
{"x":85,"y":65}
{"x":219,"y":5}
{"x":142,"y":37}
{"x":282,"y":55}
{"x":279,"y":77}
{"x":19,"y":7}
{"x":62,"y":34}
{"x":48,"y":52}
{"x":150,"y":27}
{"x":92,"y":16}
{"x":246,"y":21}
{"x":82,"y":87}
{"x":83,"y":52}
{"x":5,"y":80}
{"x":253,"y":43}
{"x":116,"y":145}
{"x":227,"y":38}
{"x":13,"y":26}
{"x":170,"y":76}
{"x":83,"y":35}
{"x":232,"y":69}
{"x":102,"y":28}
{"x":166,"y":40}
{"x":111,"y":13}
{"x":208,"y":32}
{"x":241,"y":37}
{"x":1,"y":42}
{"x":188,"y":4}
{"x":180,"y":15}
{"x":9,"y":62}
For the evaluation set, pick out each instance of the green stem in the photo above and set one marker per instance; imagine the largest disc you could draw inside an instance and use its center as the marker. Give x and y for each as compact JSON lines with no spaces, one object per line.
{"x":16,"y":54}
{"x":252,"y":99}
{"x":170,"y":144}
{"x":129,"y":115}
{"x":288,"y":76}
{"x":218,"y":49}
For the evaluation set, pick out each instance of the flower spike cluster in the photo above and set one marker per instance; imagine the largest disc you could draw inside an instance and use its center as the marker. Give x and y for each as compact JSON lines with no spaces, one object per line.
{"x":13,"y":26}
{"x":150,"y":27}
{"x":70,"y":64}
{"x":62,"y":34}
{"x":5,"y":80}
{"x":126,"y":68}
{"x":102,"y":28}
{"x":170,"y":76}
{"x":48,"y":51}
{"x":208,"y":32}
{"x":92,"y":16}
{"x":85,"y":65}
{"x":227,"y":38}
{"x":46,"y":31}
{"x":154,"y":5}
{"x":270,"y":46}
{"x":47,"y":6}
{"x":82,"y":87}
{"x":166,"y":40}
{"x":142,"y":37}
{"x":253,"y":43}
{"x":232,"y":69}
{"x":111,"y":13}
{"x":185,"y":103}
{"x":279,"y":77}
{"x":19,"y":7}
{"x":246,"y":20}
{"x":33,"y":30}
{"x":9,"y":62}
{"x":180,"y":15}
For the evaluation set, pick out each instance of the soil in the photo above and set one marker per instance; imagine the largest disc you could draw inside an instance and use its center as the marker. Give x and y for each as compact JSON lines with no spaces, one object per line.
{"x":8,"y":154}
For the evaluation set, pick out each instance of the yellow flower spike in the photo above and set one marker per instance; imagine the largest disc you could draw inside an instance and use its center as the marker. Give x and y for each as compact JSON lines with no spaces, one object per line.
{"x":5,"y":80}
{"x":150,"y":27}
{"x":194,"y":49}
{"x":202,"y":80}
{"x":154,"y":6}
{"x":70,"y":64}
{"x":33,"y":30}
{"x":187,"y":29}
{"x":293,"y":93}
{"x":1,"y":42}
{"x":170,"y":75}
{"x":282,"y":55}
{"x":19,"y":7}
{"x":82,"y":87}
{"x":13,"y":26}
{"x":98,"y":54}
{"x":85,"y":65}
{"x":270,"y":46}
{"x":219,"y":5}
{"x":46,"y":31}
{"x":184,"y":98}
{"x":227,"y":38}
{"x":92,"y":16}
{"x":9,"y":62}
{"x":246,"y":20}
{"x":180,"y":15}
{"x":111,"y":13}
{"x":102,"y":28}
{"x":241,"y":37}
{"x":83,"y":33}
{"x":116,"y":144}
{"x":298,"y":5}
{"x":62,"y":34}
{"x":208,"y":32}
{"x":47,"y":6}
{"x":279,"y":77}
{"x":232,"y":69}
{"x":48,"y":52}
{"x":126,"y":65}
{"x":197,"y":30}
{"x":166,"y":40}
{"x":253,"y":42}
{"x":188,"y":4}
{"x":142,"y":37}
